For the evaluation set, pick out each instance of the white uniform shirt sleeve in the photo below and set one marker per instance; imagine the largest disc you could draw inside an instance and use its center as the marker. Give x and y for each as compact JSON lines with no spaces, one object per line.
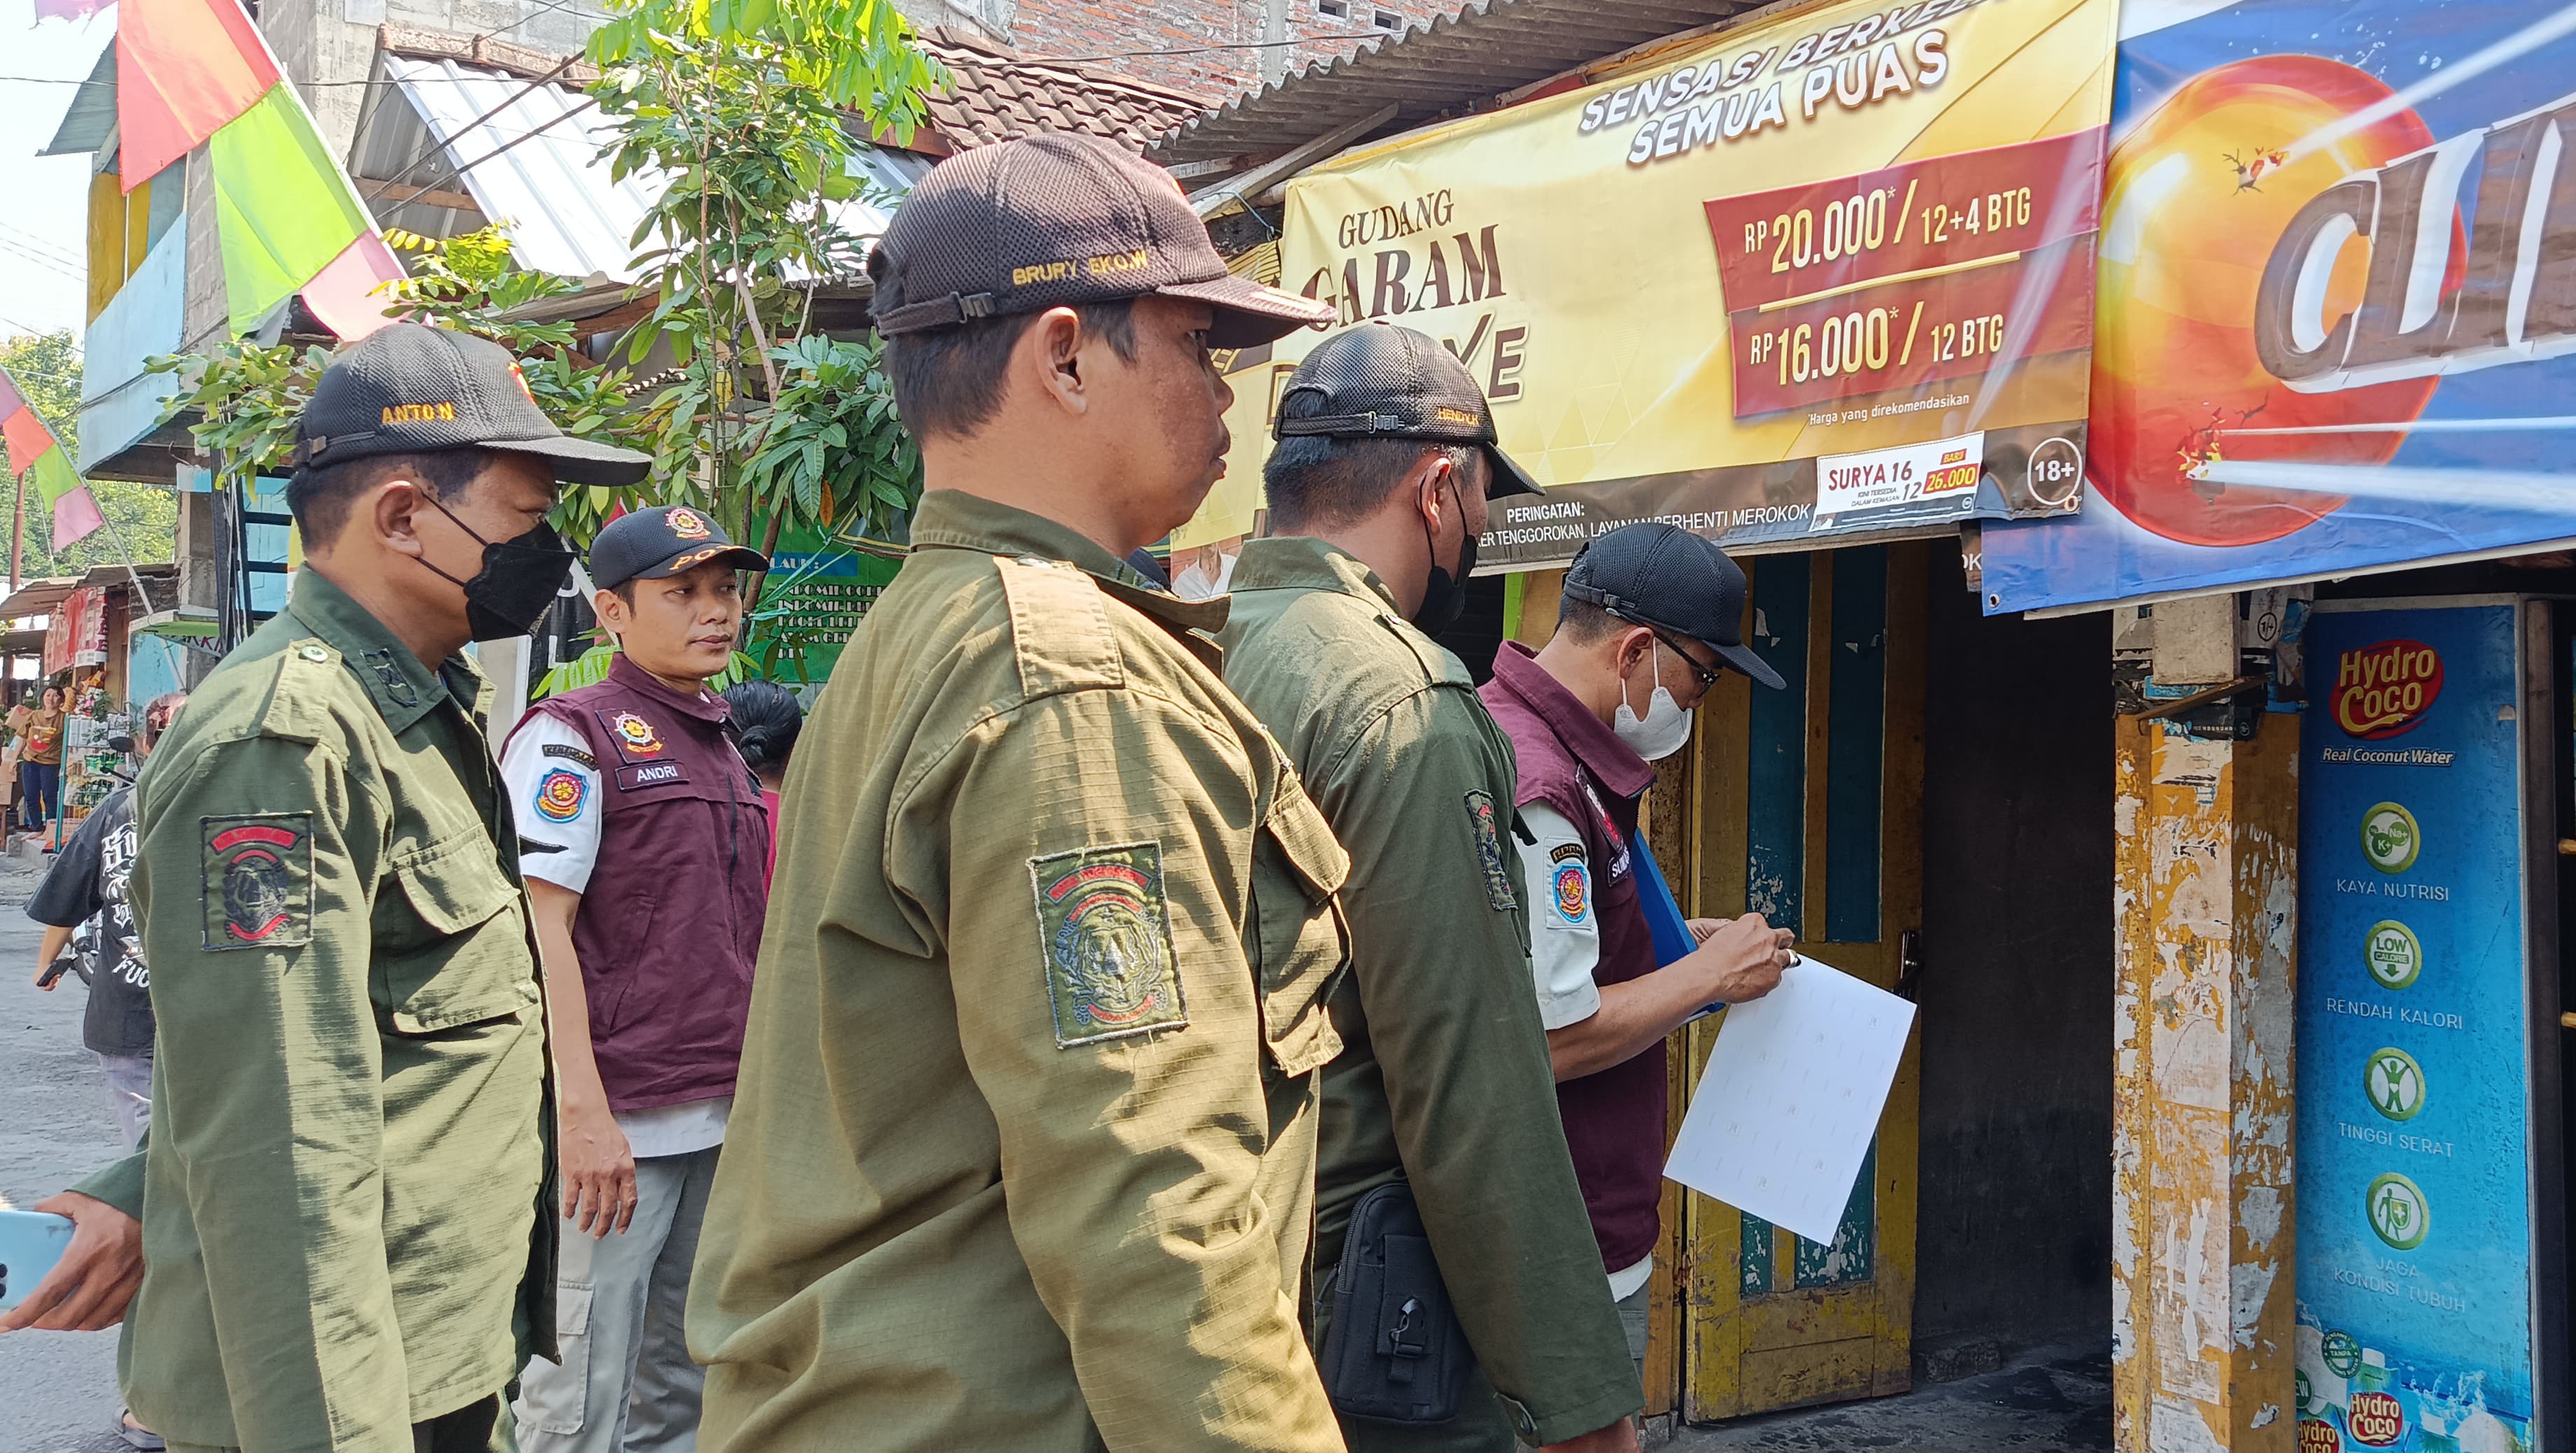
{"x":1565,"y":933}
{"x":553,"y":785}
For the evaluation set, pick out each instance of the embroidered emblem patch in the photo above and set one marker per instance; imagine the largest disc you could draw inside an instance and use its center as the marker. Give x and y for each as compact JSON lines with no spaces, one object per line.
{"x":561,"y":794}
{"x":258,"y":885}
{"x":1489,"y":852}
{"x":1105,"y":934}
{"x":569,"y":753}
{"x":1569,"y":880}
{"x":687,"y":524}
{"x":635,"y":734}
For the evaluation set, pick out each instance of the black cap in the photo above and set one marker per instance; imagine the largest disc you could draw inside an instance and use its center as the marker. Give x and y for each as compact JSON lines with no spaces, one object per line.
{"x":1665,"y":577}
{"x":663,"y":541}
{"x":1380,"y":381}
{"x":1054,"y":221}
{"x":408,"y":388}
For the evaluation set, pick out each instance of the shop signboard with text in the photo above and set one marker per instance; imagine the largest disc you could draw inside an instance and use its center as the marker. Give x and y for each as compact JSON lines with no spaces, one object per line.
{"x":2416,"y":1317}
{"x":1829,"y":275}
{"x":2337,"y":300}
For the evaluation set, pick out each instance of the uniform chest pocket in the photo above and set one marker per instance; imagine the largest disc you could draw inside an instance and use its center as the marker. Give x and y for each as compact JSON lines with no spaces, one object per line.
{"x":1304,"y":941}
{"x":457,"y":952}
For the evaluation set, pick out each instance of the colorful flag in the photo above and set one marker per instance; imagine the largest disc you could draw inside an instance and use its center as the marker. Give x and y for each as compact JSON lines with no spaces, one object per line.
{"x":287,"y":216}
{"x":33,"y":448}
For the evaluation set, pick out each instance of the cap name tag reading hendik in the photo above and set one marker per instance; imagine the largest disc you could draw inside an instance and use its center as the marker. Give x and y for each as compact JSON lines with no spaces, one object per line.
{"x":442,"y":413}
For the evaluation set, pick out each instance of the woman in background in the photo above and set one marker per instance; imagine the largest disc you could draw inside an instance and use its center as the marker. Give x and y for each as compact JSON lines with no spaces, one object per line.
{"x":766,"y":718}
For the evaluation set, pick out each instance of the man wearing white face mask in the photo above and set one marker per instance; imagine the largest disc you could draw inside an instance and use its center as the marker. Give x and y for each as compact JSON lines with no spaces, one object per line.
{"x":1651,"y":616}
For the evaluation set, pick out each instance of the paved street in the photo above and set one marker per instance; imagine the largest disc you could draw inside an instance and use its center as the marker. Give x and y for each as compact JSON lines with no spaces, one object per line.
{"x":57,"y":1389}
{"x":2052,"y":1400}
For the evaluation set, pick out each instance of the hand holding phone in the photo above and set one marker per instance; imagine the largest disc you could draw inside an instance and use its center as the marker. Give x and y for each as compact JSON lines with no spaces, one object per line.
{"x":78,"y":1283}
{"x":30,"y":1243}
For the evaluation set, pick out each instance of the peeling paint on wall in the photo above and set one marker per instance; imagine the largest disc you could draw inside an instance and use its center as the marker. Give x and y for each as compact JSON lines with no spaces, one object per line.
{"x":2201,"y":1140}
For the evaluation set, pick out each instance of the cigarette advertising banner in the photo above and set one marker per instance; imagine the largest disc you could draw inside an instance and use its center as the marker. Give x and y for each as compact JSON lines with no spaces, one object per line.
{"x":1829,"y":275}
{"x":2415,"y":1154}
{"x":2337,"y":325}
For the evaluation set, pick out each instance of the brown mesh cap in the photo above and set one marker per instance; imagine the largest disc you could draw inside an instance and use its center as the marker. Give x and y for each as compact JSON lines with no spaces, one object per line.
{"x":1057,"y":221}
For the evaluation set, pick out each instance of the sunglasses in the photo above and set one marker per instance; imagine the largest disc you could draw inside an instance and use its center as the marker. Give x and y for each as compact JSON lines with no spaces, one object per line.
{"x":1707,"y":676}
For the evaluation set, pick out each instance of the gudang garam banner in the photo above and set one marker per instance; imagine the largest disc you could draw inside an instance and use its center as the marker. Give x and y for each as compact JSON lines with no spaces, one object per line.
{"x":2338,"y":299}
{"x":1827,"y":275}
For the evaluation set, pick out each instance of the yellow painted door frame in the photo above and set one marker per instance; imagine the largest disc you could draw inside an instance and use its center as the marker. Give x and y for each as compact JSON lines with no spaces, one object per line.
{"x":1785,"y":814}
{"x":1791,"y":1323}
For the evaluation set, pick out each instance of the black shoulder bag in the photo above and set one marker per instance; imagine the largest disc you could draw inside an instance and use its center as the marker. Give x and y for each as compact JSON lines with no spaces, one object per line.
{"x":1395,"y":1352}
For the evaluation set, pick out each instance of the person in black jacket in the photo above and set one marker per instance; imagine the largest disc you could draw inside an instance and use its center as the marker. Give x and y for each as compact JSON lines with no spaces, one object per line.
{"x":82,"y":902}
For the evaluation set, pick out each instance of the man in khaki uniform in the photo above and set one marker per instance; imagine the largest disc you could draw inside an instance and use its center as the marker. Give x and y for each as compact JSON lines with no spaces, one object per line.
{"x":346,"y":1238}
{"x":1022,"y":1149}
{"x":1377,"y":490}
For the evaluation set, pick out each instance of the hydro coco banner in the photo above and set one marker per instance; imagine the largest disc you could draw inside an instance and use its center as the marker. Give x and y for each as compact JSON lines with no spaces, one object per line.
{"x":2338,"y":300}
{"x":1827,"y":275}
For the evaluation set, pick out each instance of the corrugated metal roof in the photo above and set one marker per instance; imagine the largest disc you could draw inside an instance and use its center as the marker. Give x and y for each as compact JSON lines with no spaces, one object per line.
{"x":91,"y":118}
{"x":531,"y":158}
{"x":1454,"y":64}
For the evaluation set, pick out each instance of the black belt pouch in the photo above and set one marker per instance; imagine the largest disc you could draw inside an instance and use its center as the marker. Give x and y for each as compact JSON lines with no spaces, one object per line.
{"x":1395,"y":1352}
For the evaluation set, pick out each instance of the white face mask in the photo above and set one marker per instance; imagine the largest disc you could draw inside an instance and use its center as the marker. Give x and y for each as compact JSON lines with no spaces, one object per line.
{"x":1665,"y":728}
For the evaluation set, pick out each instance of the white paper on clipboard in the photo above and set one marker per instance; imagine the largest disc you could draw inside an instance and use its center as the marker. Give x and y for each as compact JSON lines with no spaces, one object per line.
{"x":1785,"y":1110}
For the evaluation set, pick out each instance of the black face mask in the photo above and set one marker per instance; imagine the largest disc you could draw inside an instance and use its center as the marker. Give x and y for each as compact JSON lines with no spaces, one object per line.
{"x":519,"y":579}
{"x":1444,"y":595}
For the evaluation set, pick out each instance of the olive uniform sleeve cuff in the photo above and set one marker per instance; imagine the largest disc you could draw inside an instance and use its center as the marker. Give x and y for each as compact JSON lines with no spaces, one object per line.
{"x":119,"y":1185}
{"x":1565,"y":1424}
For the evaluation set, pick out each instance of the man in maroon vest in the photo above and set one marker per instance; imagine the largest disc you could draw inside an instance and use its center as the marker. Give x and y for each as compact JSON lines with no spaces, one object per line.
{"x":645,"y":844}
{"x":1649,"y":619}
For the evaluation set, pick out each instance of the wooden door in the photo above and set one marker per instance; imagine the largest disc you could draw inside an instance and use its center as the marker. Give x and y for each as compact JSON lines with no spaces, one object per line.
{"x":1804,"y":805}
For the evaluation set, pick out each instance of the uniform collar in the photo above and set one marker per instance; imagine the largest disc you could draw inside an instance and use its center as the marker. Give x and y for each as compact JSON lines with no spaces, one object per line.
{"x":1302,"y":562}
{"x":402,"y":688}
{"x":705,"y":705}
{"x":1612,"y":762}
{"x":953,"y":519}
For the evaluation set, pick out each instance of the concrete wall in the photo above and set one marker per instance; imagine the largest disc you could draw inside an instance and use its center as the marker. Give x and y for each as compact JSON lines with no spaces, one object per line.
{"x":2017,"y":980}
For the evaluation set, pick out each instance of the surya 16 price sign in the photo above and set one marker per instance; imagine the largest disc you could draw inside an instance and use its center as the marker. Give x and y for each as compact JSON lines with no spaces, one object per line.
{"x":1830,"y":274}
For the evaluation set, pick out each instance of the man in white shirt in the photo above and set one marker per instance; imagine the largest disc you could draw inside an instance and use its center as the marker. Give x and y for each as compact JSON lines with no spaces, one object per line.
{"x":645,"y":846}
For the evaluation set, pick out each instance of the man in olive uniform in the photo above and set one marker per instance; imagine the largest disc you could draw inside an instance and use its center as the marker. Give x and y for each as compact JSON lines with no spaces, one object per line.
{"x":1022,"y":1150}
{"x":348,"y":1239}
{"x":1377,"y":493}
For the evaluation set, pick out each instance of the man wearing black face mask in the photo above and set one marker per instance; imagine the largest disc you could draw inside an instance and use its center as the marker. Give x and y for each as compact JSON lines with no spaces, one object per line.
{"x":348,"y":1236}
{"x":1442,"y":1095}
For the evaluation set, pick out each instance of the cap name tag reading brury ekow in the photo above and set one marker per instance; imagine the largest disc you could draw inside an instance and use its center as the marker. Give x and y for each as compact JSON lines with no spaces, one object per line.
{"x":258,"y":881}
{"x":1105,"y":935}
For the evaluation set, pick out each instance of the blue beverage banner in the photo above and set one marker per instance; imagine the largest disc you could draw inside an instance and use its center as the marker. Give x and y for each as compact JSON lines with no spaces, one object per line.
{"x":2336,"y":311}
{"x":2414,"y":1261}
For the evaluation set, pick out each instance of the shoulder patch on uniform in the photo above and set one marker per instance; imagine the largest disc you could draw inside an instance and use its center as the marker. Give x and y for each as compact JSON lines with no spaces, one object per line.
{"x":569,"y":753}
{"x":1489,"y":852}
{"x":1569,"y":891}
{"x":1105,"y":941}
{"x":258,"y":880}
{"x":561,"y":794}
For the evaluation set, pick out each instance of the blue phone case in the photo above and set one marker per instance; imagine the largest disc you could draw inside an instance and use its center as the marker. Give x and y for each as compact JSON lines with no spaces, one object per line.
{"x":30,"y":1243}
